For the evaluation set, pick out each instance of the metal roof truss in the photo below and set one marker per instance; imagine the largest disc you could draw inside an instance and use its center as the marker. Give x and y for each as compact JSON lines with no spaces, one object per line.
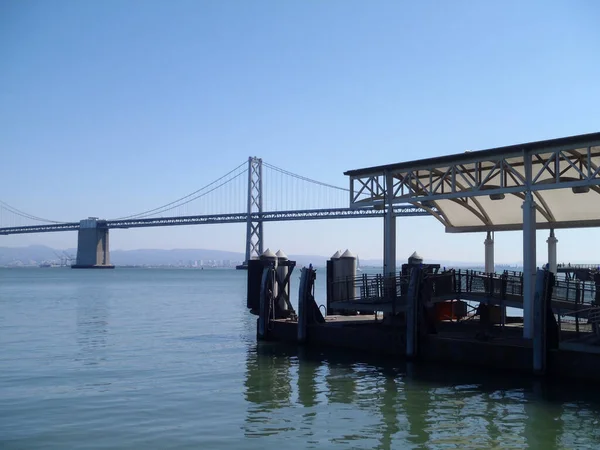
{"x":469,"y":178}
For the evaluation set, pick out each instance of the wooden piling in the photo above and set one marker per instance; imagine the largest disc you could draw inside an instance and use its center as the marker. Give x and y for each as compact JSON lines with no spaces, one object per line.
{"x":412,"y":312}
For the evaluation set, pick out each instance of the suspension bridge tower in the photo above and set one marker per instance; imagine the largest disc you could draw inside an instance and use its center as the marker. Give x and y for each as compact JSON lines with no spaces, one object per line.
{"x":254,"y":228}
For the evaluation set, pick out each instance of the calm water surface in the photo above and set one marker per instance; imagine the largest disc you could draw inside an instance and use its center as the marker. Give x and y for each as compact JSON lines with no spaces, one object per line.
{"x":161,"y":359}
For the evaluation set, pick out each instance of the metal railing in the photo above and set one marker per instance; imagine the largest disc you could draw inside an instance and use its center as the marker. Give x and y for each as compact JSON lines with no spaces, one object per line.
{"x":506,"y":284}
{"x":579,"y":298}
{"x":365,"y":288}
{"x":455,"y":282}
{"x":570,"y":266}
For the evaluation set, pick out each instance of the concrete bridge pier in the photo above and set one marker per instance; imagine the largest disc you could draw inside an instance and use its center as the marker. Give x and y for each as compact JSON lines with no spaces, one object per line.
{"x":92,"y":245}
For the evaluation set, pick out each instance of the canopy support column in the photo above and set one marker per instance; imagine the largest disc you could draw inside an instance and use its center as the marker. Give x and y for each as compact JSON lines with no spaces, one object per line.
{"x":389,"y":229}
{"x":552,"y":252}
{"x":489,"y":253}
{"x":529,"y":263}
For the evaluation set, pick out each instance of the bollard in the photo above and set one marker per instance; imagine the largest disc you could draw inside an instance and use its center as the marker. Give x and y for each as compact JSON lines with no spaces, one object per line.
{"x":266,"y":302}
{"x":302,"y":306}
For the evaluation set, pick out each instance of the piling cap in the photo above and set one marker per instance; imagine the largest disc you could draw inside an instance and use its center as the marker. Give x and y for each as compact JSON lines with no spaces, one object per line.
{"x":336,"y":255}
{"x":348,"y":254}
{"x":415,"y":258}
{"x":281,"y":255}
{"x":268,"y":254}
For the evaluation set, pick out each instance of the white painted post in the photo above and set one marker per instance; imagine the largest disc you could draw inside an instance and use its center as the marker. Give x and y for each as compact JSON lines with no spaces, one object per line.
{"x":489,"y":253}
{"x":389,"y":229}
{"x":529,"y":263}
{"x":552,"y":241}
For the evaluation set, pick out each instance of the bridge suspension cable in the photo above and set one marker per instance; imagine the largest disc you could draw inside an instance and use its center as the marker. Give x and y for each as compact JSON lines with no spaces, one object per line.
{"x":203,"y":191}
{"x":5,"y":206}
{"x":300,"y":177}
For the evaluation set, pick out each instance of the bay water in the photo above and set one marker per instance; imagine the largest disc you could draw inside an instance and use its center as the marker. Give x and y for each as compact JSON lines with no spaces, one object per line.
{"x":168,"y":359}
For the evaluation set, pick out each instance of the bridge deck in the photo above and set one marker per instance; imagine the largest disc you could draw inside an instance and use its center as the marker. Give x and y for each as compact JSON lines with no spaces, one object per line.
{"x":242,"y":217}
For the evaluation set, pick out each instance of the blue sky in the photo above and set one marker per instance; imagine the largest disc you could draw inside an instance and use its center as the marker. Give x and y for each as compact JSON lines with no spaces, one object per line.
{"x":112,"y":107}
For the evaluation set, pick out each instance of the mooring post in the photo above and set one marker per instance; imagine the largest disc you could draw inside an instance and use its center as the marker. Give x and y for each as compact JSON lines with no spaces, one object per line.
{"x":412,"y":314}
{"x":265,"y":300}
{"x":303,"y":292}
{"x":539,"y":323}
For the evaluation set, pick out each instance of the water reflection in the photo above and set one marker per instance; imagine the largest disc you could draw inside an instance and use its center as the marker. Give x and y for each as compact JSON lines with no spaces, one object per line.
{"x":390,"y":412}
{"x":380,"y":405}
{"x":340,"y":383}
{"x":92,"y":326}
{"x":539,"y":414}
{"x":268,"y":388}
{"x":268,"y":380}
{"x":307,"y":380}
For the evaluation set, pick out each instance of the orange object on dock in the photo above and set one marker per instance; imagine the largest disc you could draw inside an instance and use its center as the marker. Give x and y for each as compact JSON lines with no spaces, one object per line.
{"x":450,"y":310}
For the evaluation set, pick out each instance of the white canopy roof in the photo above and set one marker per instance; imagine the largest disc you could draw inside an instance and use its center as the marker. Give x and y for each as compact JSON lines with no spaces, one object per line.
{"x":484,"y":190}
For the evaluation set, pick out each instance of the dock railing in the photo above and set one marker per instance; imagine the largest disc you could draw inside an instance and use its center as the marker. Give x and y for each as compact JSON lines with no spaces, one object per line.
{"x":452,"y":283}
{"x":507,"y":284}
{"x":580,"y":309}
{"x":575,"y":302}
{"x":370,"y":290}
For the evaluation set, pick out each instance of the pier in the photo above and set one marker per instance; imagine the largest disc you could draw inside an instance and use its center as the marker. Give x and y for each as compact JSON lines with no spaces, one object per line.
{"x":460,"y":316}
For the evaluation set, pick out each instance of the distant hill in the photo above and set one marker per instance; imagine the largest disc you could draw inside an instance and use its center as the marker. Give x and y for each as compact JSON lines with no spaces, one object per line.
{"x":170,"y":257}
{"x":31,"y":255}
{"x":36,"y":254}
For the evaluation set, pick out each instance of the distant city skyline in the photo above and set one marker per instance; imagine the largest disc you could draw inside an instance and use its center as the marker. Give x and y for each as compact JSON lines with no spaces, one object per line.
{"x":112,"y":108}
{"x":36,"y":254}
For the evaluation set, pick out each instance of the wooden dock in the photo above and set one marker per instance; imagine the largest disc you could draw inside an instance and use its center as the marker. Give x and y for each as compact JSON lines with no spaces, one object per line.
{"x":404,"y":326}
{"x":373,"y":293}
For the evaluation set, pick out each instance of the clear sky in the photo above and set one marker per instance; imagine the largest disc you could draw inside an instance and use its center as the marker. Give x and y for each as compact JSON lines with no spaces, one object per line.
{"x":112,"y":107}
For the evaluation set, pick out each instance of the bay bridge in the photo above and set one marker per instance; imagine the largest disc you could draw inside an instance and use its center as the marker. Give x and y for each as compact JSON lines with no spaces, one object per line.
{"x":254,"y":192}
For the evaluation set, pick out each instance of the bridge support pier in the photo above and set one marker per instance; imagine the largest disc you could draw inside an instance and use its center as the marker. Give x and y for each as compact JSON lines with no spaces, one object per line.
{"x":552,"y":241}
{"x":489,"y":253}
{"x":529,"y":263}
{"x":92,"y":245}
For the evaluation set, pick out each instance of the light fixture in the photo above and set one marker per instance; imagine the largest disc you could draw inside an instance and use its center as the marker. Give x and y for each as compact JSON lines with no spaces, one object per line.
{"x":580,"y":189}
{"x":495,"y":195}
